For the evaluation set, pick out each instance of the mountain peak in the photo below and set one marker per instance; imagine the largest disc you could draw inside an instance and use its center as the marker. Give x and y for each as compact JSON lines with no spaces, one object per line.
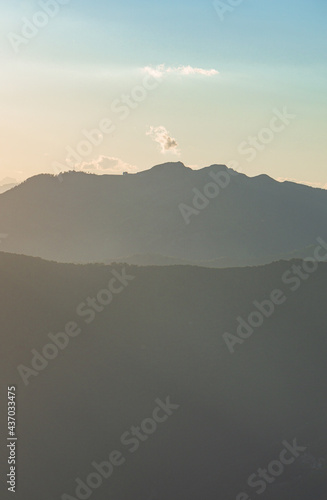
{"x":169,"y":167}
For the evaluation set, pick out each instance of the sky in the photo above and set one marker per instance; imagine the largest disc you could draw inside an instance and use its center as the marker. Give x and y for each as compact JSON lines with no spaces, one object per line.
{"x":107,"y":87}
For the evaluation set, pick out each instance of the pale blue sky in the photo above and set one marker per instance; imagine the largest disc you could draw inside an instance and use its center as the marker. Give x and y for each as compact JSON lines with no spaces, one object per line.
{"x":268,"y":54}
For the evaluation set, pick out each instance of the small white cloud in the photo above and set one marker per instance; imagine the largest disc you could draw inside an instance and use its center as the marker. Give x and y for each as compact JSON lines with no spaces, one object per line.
{"x":156,"y":72}
{"x":188,"y":70}
{"x":163,"y":138}
{"x":106,"y":165}
{"x":161,"y":70}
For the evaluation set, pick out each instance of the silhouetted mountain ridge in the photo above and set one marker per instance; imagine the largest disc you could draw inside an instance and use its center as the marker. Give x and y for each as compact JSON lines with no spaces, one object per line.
{"x":79,"y":217}
{"x":162,"y":336}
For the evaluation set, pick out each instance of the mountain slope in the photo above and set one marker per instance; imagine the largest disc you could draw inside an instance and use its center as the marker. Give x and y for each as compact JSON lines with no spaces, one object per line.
{"x":90,"y":218}
{"x":162,"y":336}
{"x":7,"y":187}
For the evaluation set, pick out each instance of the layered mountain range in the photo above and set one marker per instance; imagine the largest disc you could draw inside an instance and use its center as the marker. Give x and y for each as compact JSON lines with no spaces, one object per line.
{"x":170,"y":214}
{"x":86,"y":383}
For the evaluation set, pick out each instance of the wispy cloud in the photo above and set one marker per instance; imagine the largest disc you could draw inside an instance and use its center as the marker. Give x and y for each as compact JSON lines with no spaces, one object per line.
{"x":106,"y":165}
{"x":163,"y":138}
{"x":161,"y":70}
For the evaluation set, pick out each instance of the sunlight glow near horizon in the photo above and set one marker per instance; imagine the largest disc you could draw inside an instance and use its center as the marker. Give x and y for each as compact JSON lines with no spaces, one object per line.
{"x":260,"y":57}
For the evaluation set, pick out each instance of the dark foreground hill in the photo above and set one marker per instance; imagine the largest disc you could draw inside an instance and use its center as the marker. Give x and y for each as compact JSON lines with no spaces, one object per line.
{"x":180,"y":214}
{"x":161,"y":337}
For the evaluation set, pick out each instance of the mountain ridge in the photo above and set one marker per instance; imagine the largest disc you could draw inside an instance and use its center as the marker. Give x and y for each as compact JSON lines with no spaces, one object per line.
{"x":80,"y":217}
{"x":162,"y":336}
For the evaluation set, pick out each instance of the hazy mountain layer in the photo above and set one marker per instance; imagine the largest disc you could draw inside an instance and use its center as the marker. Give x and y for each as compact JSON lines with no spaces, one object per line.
{"x":162,"y":336}
{"x":211,"y":214}
{"x":6,"y":187}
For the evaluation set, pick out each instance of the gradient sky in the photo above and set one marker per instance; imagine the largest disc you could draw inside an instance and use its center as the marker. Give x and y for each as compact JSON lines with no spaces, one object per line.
{"x":267,"y":54}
